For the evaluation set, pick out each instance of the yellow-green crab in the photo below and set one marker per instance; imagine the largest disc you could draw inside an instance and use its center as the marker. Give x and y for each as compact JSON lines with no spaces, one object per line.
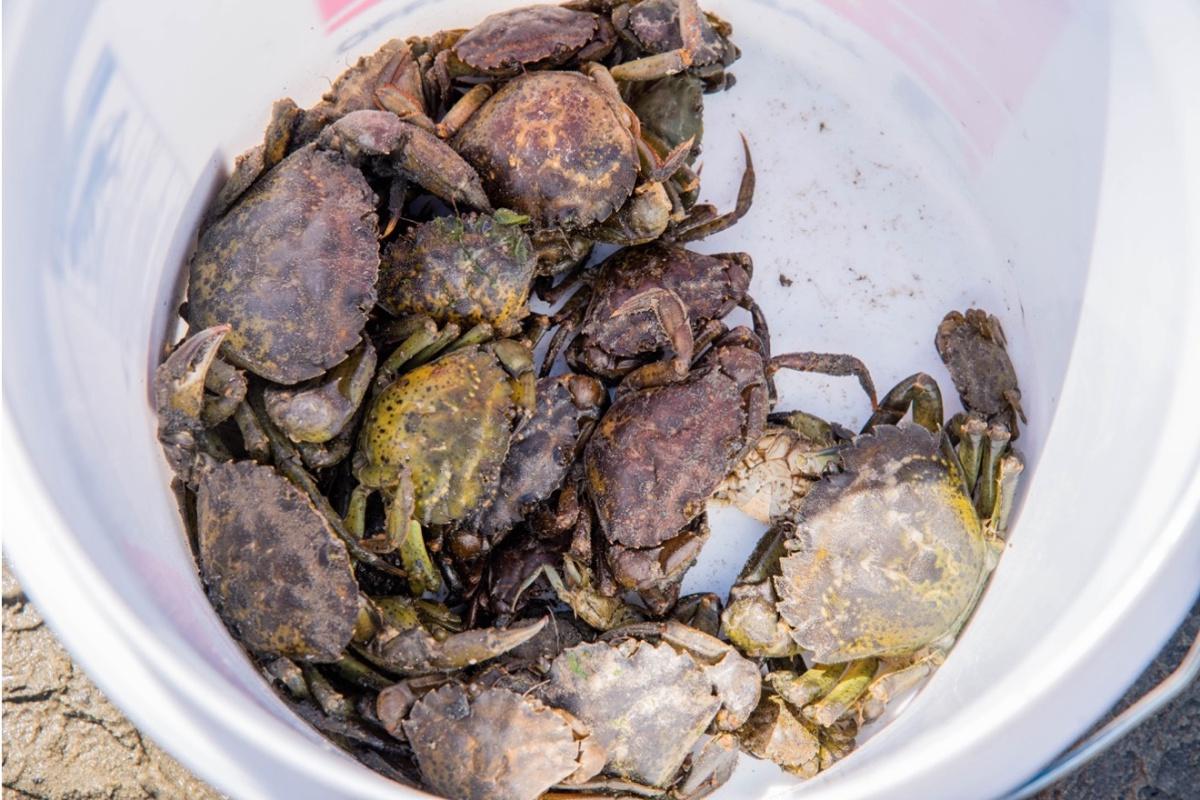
{"x":435,"y":437}
{"x":880,"y":549}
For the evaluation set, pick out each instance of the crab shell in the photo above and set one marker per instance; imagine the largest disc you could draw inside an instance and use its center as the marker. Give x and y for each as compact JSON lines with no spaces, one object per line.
{"x":290,"y":268}
{"x":503,"y":43}
{"x":645,"y":704}
{"x":543,"y":451}
{"x":498,"y":745}
{"x":450,"y":422}
{"x":354,"y":89}
{"x":972,"y":346}
{"x":710,"y":286}
{"x":467,"y":269}
{"x":273,"y":565}
{"x":887,"y":557}
{"x":655,"y":25}
{"x":659,"y":453}
{"x":554,"y":146}
{"x":671,"y":110}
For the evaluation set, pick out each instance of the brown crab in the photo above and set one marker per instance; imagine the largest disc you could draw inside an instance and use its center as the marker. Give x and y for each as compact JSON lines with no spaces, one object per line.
{"x":563,"y":148}
{"x":650,"y":300}
{"x":661,"y":451}
{"x":543,"y":451}
{"x":494,"y":743}
{"x":507,"y":43}
{"x":673,"y":36}
{"x":291,"y":266}
{"x":974,"y":349}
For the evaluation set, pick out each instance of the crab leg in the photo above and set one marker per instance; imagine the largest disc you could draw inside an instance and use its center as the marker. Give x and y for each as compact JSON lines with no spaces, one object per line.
{"x":918,"y":392}
{"x":462,"y":110}
{"x":889,"y":684}
{"x":392,"y":98}
{"x":713,"y":329}
{"x":423,"y":575}
{"x":229,"y":384}
{"x":842,"y":697}
{"x":254,"y":438}
{"x":807,"y":687}
{"x":985,"y":488}
{"x":420,"y":334}
{"x":691,"y":230}
{"x":415,"y":651}
{"x":330,"y":700}
{"x":569,"y":319}
{"x":1007,"y":475}
{"x":444,"y":337}
{"x":970,"y":447}
{"x":827,"y":364}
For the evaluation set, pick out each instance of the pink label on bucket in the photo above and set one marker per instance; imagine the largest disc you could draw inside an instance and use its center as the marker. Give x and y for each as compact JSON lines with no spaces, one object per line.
{"x":336,"y":13}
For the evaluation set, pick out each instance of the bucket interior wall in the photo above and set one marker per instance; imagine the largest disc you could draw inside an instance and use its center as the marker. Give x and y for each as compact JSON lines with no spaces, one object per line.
{"x":912,"y":158}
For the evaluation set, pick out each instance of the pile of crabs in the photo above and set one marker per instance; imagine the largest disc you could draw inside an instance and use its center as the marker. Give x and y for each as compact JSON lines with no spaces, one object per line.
{"x":465,"y":569}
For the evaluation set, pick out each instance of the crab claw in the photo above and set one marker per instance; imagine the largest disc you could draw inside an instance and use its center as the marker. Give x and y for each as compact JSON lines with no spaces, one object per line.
{"x":179,"y":395}
{"x":415,"y":651}
{"x":414,"y":151}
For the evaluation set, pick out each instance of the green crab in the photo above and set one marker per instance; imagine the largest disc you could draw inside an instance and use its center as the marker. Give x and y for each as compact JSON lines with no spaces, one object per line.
{"x":435,"y":437}
{"x":469,"y":269}
{"x":872,"y":572}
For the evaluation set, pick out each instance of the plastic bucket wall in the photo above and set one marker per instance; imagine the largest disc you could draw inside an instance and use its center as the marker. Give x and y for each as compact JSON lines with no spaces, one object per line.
{"x":913,"y":157}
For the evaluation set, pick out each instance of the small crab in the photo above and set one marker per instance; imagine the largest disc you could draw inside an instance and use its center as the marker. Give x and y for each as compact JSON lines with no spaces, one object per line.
{"x":542,"y":452}
{"x":435,"y":437}
{"x":778,"y":732}
{"x":651,"y":300}
{"x":665,"y":37}
{"x":468,"y":269}
{"x":974,"y":349}
{"x":589,"y":173}
{"x":661,"y":451}
{"x":390,"y":79}
{"x":507,"y":43}
{"x":650,"y":704}
{"x":496,"y":744}
{"x":671,"y":111}
{"x":291,"y":266}
{"x":875,"y":573}
{"x":775,"y":475}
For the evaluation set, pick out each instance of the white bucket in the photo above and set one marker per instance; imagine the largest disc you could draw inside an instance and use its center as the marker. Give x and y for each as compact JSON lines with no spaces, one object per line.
{"x":1038,"y":160}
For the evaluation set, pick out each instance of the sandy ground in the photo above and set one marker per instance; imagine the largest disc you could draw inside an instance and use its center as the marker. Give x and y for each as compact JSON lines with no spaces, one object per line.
{"x":64,"y":741}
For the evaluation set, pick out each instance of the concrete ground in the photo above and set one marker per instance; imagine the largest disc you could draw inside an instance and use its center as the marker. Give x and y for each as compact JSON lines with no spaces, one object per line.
{"x":64,"y":741}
